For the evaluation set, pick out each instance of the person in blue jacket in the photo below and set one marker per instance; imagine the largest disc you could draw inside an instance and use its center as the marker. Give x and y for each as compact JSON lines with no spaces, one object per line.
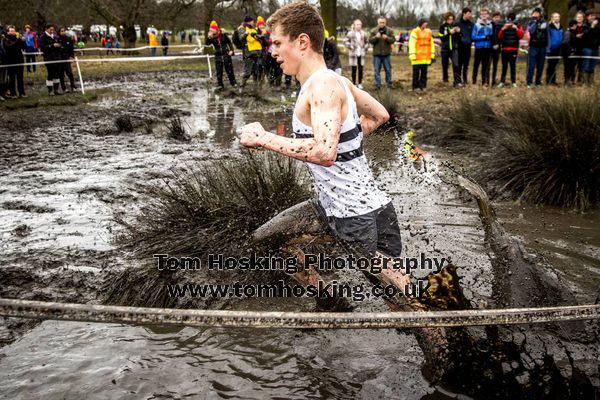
{"x":537,"y":30}
{"x":555,"y":39}
{"x":482,"y":37}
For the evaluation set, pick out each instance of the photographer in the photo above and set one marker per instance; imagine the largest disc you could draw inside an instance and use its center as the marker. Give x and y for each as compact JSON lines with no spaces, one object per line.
{"x":252,"y":41}
{"x":382,"y":39}
{"x":509,"y":37}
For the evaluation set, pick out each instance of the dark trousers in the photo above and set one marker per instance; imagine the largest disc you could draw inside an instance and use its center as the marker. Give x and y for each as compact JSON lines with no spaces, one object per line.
{"x":464,"y":56}
{"x":65,"y":69}
{"x":30,"y":58}
{"x":252,"y":65}
{"x":552,"y":64}
{"x":15,"y":80}
{"x":450,"y":56}
{"x":570,"y":65}
{"x":495,"y":59}
{"x":358,"y":67}
{"x":509,"y":58}
{"x":419,"y":80}
{"x":224,"y":62}
{"x":482,"y":57}
{"x":535,"y":62}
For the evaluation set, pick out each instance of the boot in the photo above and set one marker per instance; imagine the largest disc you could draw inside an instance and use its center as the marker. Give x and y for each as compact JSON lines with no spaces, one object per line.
{"x":56,"y":91}
{"x":49,"y":86}
{"x":72,"y":85}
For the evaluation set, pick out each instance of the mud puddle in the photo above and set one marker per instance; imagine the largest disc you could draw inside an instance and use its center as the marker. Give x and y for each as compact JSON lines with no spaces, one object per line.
{"x":56,"y":222}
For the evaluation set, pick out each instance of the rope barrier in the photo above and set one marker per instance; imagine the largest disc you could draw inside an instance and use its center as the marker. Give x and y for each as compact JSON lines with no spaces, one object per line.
{"x":111,"y":59}
{"x":292,"y":320}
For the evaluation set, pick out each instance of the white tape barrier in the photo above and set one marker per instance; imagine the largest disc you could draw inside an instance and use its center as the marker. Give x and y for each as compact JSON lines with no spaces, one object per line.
{"x":111,"y":59}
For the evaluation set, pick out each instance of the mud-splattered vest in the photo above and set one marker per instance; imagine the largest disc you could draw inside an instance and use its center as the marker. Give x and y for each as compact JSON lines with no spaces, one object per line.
{"x":347,"y":188}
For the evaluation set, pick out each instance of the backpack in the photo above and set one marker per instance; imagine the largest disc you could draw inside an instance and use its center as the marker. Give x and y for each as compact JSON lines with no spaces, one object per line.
{"x":237,"y":40}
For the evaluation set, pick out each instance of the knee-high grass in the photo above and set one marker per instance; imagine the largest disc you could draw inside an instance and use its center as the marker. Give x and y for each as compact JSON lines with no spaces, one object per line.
{"x":543,"y":147}
{"x":204,"y":209}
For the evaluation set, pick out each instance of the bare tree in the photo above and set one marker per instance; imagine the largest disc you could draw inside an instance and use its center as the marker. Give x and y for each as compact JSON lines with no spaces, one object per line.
{"x":120,"y":13}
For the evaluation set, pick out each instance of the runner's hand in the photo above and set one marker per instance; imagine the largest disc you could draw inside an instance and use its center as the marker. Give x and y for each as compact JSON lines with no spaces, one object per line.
{"x":253,"y":135}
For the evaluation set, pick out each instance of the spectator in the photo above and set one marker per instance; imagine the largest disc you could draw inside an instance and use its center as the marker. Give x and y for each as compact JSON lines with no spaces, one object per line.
{"x":50,"y":46}
{"x":13,"y":48}
{"x":496,"y":50}
{"x":190,"y":37}
{"x":578,"y":43}
{"x":251,"y":40}
{"x":31,"y":47}
{"x":464,"y":49}
{"x":330,"y":54}
{"x":482,"y":37}
{"x":67,"y":52}
{"x":382,"y":39}
{"x":3,"y":72}
{"x":568,"y":50}
{"x":509,"y":36}
{"x":109,"y":45}
{"x":555,"y":39}
{"x":537,"y":31}
{"x":223,"y":52}
{"x":591,"y":41}
{"x":357,"y":44}
{"x":450,"y":36}
{"x":421,"y":52}
{"x":265,"y":65}
{"x":153,"y":43}
{"x":164,"y":42}
{"x":182,"y":36}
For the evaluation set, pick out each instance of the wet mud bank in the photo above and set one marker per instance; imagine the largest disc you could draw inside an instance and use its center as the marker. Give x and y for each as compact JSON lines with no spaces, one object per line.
{"x":62,"y":184}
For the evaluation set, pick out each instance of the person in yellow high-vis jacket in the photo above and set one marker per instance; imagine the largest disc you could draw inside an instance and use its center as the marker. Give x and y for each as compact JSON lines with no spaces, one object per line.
{"x":421,"y":52}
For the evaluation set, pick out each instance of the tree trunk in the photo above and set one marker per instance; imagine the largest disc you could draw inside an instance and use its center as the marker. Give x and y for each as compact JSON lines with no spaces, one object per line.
{"x":130,"y":36}
{"x":329,"y":14}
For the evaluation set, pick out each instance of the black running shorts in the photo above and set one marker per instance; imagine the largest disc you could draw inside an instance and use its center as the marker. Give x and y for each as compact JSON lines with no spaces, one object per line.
{"x":364,"y":235}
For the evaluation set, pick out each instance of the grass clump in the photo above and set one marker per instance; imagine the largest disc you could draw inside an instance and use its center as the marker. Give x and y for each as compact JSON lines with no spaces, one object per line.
{"x":550,"y":149}
{"x":124,"y":123}
{"x":541,"y":149}
{"x":176,"y":129}
{"x":209,"y":208}
{"x":214,"y":207}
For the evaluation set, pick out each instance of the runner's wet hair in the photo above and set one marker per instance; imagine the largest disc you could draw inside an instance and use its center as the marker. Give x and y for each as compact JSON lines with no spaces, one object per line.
{"x":297,"y":18}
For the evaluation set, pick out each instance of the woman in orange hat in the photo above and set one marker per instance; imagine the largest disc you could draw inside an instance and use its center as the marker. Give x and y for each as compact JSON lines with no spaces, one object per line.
{"x":223,"y":52}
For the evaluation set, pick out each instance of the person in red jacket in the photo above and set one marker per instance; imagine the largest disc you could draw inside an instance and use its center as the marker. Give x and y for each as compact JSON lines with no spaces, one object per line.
{"x":509,"y":36}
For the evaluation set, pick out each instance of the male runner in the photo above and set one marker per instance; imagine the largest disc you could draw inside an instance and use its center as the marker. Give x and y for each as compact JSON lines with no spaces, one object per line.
{"x":328,"y":134}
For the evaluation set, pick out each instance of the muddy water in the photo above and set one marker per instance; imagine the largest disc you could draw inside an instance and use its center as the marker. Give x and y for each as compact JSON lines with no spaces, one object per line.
{"x":59,"y":190}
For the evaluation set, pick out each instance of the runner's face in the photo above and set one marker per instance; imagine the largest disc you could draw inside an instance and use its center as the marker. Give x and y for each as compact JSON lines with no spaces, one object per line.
{"x":285,"y":51}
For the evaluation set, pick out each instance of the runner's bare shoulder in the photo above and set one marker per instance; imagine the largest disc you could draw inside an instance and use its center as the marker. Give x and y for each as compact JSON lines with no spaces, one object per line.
{"x":326,"y":88}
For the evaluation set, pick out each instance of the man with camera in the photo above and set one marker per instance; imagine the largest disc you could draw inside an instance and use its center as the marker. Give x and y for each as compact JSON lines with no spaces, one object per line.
{"x":382,"y":38}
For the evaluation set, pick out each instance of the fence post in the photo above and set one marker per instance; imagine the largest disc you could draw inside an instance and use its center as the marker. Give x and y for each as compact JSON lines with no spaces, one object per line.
{"x":80,"y":78}
{"x":209,"y":66}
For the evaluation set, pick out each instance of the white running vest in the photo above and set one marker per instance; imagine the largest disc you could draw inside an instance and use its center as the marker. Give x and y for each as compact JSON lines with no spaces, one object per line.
{"x":347,"y":188}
